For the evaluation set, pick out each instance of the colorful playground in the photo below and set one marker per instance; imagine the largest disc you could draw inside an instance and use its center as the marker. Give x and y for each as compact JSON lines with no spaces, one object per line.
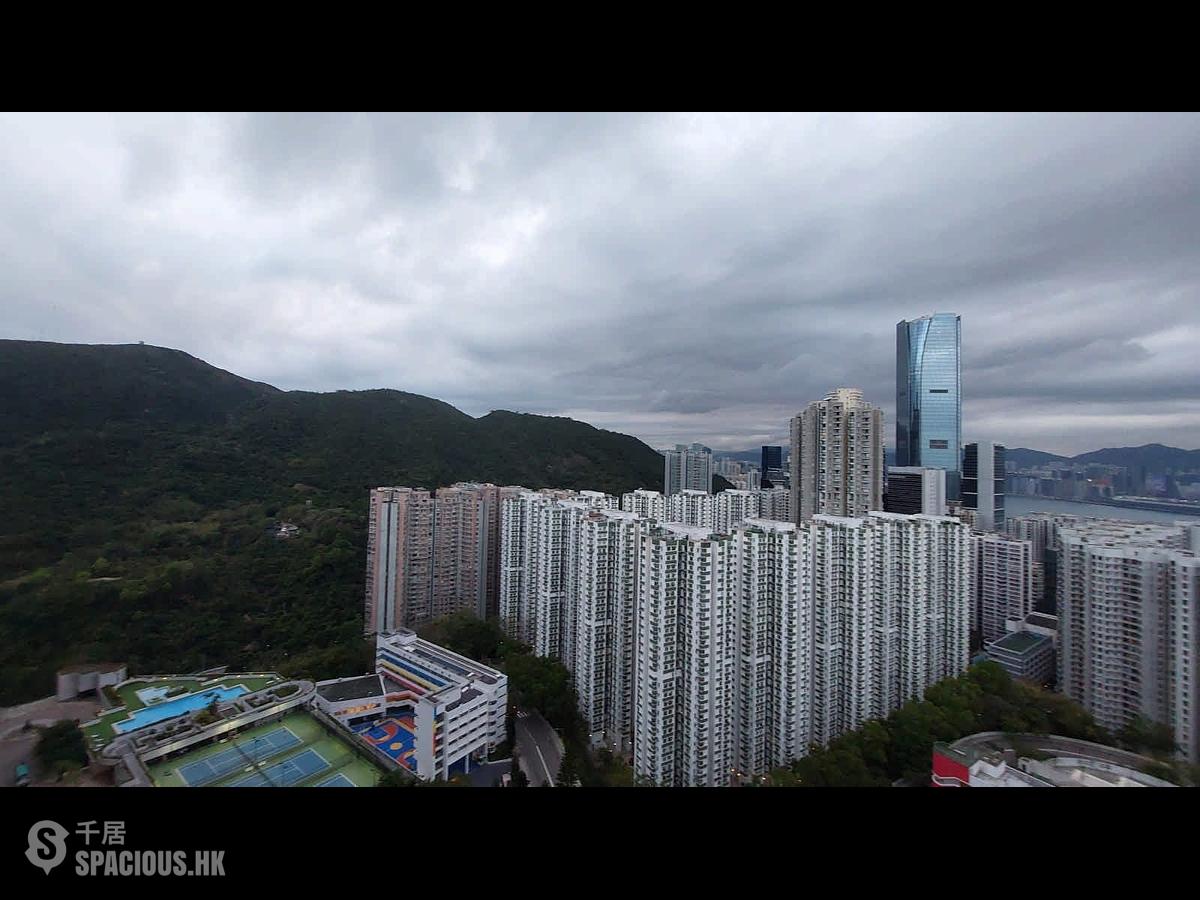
{"x":395,"y":737}
{"x":292,"y":752}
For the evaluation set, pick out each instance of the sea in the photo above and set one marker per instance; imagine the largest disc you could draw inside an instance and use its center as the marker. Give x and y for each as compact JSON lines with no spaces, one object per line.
{"x":1019,"y":505}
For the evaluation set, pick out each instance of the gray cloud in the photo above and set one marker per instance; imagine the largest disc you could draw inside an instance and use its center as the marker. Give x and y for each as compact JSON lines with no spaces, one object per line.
{"x":674,"y":277}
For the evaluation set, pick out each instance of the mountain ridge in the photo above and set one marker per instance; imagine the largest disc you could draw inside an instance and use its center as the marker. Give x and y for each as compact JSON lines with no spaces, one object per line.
{"x":141,"y":489}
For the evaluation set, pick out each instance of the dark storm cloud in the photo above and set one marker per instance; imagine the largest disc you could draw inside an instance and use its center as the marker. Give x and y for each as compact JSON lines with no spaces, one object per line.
{"x":675,"y":277}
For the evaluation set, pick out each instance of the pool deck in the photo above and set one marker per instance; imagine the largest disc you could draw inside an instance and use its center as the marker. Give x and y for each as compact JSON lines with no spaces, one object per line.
{"x":99,"y":733}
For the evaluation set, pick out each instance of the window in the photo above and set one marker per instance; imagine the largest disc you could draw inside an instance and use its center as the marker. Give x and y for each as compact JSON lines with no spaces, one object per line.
{"x":939,"y":390}
{"x":939,"y":445}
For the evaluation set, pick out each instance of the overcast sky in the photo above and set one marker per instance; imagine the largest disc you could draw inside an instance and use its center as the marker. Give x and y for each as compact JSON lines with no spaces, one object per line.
{"x":684,"y":277}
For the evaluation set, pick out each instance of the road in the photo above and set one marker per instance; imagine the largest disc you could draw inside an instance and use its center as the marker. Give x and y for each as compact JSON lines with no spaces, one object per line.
{"x":540,"y":749}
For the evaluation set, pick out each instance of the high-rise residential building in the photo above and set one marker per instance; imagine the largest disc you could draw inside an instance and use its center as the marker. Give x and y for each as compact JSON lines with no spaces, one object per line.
{"x":648,"y":504}
{"x":776,"y":503}
{"x":728,"y":467}
{"x":983,"y":484}
{"x":711,"y":658}
{"x":915,"y":489}
{"x":399,"y":558}
{"x":1041,"y":530}
{"x":602,"y":665}
{"x":929,"y":395}
{"x":750,"y":480}
{"x":772,"y":575}
{"x":720,"y":512}
{"x":837,"y":457}
{"x":1004,"y":581}
{"x":432,"y":553}
{"x":687,"y":468}
{"x":772,"y":458}
{"x":1128,"y":618}
{"x":539,"y":565}
{"x":891,"y":607}
{"x":723,"y":663}
{"x":685,"y":666}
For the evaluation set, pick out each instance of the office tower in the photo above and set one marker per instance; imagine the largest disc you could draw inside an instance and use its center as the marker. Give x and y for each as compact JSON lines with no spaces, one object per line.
{"x":929,"y":395}
{"x":913,"y":489}
{"x":772,"y":458}
{"x":1004,"y":581}
{"x":1129,"y":610}
{"x":684,"y":709}
{"x":983,"y":484}
{"x":891,"y":609}
{"x":602,"y":666}
{"x":687,"y":468}
{"x":837,"y":457}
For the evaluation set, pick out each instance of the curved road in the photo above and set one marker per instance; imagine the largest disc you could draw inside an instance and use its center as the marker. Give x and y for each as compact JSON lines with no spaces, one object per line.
{"x":539,"y":748}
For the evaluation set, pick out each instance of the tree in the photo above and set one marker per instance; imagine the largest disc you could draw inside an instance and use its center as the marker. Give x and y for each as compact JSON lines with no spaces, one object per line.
{"x":60,"y":748}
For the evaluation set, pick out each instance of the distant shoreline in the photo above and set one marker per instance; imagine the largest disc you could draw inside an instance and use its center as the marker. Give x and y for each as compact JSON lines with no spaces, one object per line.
{"x":1166,"y":510}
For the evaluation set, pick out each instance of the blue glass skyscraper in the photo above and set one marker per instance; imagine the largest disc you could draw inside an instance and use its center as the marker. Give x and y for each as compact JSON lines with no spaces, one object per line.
{"x":929,"y":396}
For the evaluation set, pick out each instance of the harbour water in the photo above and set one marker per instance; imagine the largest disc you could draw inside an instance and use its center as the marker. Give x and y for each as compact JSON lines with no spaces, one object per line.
{"x":1019,"y":505}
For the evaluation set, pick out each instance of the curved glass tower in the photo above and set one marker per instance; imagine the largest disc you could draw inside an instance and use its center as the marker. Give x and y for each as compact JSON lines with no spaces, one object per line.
{"x":928,"y":396}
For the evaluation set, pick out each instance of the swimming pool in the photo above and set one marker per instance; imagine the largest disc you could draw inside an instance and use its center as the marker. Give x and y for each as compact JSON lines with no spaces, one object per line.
{"x":169,"y":709}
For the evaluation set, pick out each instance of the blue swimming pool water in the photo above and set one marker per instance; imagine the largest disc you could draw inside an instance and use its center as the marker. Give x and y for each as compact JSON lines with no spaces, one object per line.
{"x":169,"y":709}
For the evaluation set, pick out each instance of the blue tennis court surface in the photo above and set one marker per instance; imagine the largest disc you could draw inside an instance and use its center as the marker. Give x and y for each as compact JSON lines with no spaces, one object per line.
{"x":290,"y":771}
{"x":338,"y":780}
{"x":217,"y":766}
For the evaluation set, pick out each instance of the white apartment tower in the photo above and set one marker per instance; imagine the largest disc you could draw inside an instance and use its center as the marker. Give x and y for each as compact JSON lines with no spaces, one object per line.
{"x":607,"y":578}
{"x":891,"y":609}
{"x":1128,"y":601}
{"x":773,"y":619}
{"x":1004,"y":583}
{"x":647,"y":504}
{"x":837,"y":457}
{"x":684,"y":708}
{"x":539,"y":565}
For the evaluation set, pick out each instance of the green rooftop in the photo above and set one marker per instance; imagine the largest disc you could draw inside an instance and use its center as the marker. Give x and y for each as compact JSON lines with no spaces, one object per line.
{"x":1020,"y":641}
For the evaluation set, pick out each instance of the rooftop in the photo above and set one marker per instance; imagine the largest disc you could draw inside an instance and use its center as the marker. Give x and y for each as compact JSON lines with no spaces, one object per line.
{"x":1019,"y":641}
{"x":351,"y":688}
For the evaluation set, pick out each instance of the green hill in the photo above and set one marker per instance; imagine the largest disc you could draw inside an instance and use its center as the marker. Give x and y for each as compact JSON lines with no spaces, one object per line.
{"x":139,"y":485}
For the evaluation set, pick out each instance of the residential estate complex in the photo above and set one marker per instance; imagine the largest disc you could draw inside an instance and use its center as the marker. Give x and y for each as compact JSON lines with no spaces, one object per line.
{"x":716,"y":655}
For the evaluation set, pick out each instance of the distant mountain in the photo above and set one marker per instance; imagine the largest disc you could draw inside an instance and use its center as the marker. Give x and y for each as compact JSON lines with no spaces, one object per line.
{"x":1156,"y":458}
{"x":1023,"y":457}
{"x":137,"y":485}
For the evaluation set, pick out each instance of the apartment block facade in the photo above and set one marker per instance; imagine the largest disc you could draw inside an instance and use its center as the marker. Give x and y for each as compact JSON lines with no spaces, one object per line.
{"x":1004,"y":583}
{"x":837,"y":457}
{"x":1129,"y":610}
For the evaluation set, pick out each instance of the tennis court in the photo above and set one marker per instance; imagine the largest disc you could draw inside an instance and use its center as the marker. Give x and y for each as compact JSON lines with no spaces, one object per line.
{"x":257,"y":749}
{"x":338,"y":780}
{"x":283,"y":774}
